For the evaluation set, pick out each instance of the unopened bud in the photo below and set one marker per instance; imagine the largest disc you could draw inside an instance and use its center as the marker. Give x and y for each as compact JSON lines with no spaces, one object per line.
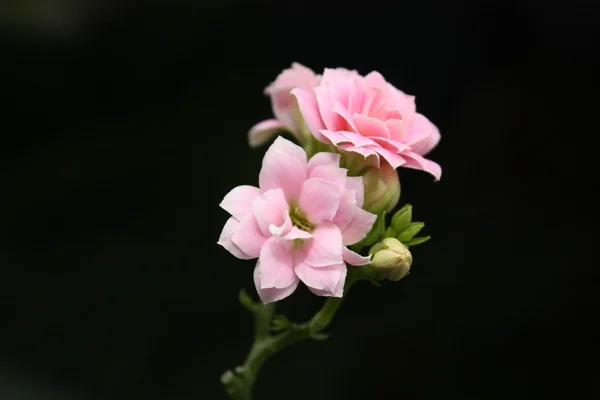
{"x":391,"y":259}
{"x":382,"y":189}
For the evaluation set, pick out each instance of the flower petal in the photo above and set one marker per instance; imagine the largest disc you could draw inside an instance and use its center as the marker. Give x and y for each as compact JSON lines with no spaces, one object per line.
{"x":353,"y":258}
{"x":415,"y":161}
{"x":333,"y":136}
{"x":284,"y":166}
{"x":390,"y":144}
{"x":296,"y":233}
{"x":423,"y":135}
{"x":270,"y":295}
{"x":332,"y":120}
{"x":368,"y":126}
{"x":394,"y":159}
{"x":358,"y":140}
{"x":356,"y":183}
{"x":367,"y":153}
{"x":324,"y":281}
{"x":319,"y":200}
{"x":225,"y":239}
{"x":276,"y":265}
{"x":271,"y":208}
{"x":359,"y":227}
{"x":260,"y":133}
{"x":322,"y":158}
{"x":310,"y":112}
{"x":343,"y":112}
{"x":346,"y":210}
{"x":248,"y":236}
{"x":325,"y":247}
{"x":238,"y":202}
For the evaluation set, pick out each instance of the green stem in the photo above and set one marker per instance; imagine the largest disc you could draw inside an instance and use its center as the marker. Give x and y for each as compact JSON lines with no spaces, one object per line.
{"x":238,"y":383}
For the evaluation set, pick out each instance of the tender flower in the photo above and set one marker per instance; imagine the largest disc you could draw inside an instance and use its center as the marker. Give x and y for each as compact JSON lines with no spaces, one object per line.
{"x":298,"y":222}
{"x":382,"y":189}
{"x":391,"y":259}
{"x":370,"y":117}
{"x":285,"y":107}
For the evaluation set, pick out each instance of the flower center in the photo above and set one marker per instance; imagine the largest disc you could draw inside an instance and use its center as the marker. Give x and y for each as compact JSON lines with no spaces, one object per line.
{"x":299,"y":220}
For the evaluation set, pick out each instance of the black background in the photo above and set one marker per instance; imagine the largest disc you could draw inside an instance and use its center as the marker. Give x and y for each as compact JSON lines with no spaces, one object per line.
{"x":124,"y":124}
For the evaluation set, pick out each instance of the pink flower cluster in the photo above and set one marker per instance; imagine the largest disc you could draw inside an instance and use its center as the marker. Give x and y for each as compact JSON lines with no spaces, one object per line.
{"x":305,"y":213}
{"x":298,"y":222}
{"x":363,"y":115}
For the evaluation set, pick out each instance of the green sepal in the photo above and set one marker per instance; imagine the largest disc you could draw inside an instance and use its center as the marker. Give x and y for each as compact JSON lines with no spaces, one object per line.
{"x":411,"y":231}
{"x":401,"y":219}
{"x":417,"y":240}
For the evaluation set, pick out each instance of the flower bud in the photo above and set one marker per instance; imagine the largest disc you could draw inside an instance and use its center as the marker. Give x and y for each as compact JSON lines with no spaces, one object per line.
{"x":391,"y":259}
{"x":402,"y":219}
{"x":382,"y":189}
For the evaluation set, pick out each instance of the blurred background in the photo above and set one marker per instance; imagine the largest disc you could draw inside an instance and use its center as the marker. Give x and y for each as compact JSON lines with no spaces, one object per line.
{"x":124,"y":124}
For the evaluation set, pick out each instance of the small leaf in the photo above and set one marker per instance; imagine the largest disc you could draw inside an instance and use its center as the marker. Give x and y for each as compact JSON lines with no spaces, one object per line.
{"x":411,"y":231}
{"x":280,"y":323}
{"x":320,"y":336}
{"x":417,"y":240}
{"x":246,"y":300}
{"x":402,"y":219}
{"x":389,"y":232}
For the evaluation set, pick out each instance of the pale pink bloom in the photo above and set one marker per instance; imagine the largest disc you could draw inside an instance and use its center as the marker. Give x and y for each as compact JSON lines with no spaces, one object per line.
{"x":285,"y":107}
{"x":298,"y":222}
{"x":370,"y":117}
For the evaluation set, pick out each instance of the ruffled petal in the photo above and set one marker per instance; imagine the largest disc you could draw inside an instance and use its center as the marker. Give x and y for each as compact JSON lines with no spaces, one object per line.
{"x":324,"y":281}
{"x":325,"y":247}
{"x":319,"y":200}
{"x":368,"y":126}
{"x":225,"y":239}
{"x":353,"y":258}
{"x":262,"y":132}
{"x":346,"y":210}
{"x":248,"y":237}
{"x":359,"y":227}
{"x":310,"y":112}
{"x":271,"y":209}
{"x":238,"y":202}
{"x":276,"y":265}
{"x":270,"y":295}
{"x":284,"y":166}
{"x":415,"y":161}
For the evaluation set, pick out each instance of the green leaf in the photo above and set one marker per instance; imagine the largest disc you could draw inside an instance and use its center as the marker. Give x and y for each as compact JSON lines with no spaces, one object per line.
{"x":389,"y":232}
{"x":402,"y":219}
{"x":411,"y":231}
{"x":319,"y":336}
{"x":246,"y":300}
{"x":417,"y":240}
{"x":280,"y":323}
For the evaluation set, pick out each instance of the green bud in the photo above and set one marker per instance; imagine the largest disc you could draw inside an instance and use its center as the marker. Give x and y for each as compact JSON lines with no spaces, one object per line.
{"x":391,"y":260}
{"x":402,"y":219}
{"x":411,"y":231}
{"x":382,"y":189}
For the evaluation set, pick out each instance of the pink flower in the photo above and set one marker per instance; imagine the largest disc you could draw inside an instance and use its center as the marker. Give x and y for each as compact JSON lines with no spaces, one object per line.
{"x":285,"y":107}
{"x":370,"y":117}
{"x":297,"y":223}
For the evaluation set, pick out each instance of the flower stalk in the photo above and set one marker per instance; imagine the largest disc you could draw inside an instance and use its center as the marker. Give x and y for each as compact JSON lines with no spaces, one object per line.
{"x":239,"y":382}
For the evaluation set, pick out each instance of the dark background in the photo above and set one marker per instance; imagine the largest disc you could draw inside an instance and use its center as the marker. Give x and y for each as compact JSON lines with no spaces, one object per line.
{"x":124,"y":124}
